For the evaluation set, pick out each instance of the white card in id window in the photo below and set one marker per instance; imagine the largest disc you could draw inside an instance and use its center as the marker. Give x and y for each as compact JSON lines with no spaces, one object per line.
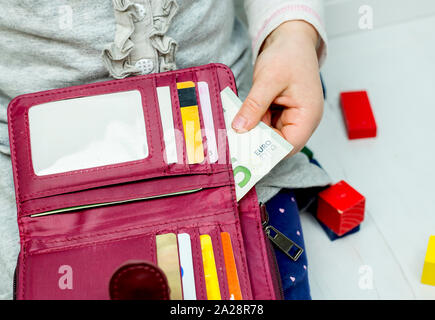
{"x":207,"y":114}
{"x":165,"y":105}
{"x":186,"y":264}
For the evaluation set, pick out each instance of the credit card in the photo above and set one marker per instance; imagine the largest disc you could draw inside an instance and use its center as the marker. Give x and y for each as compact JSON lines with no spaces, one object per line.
{"x":187,"y":275}
{"x":191,"y":124}
{"x":230,"y":266}
{"x":207,"y":114}
{"x":209,"y":264}
{"x":165,"y":106}
{"x":167,"y":260}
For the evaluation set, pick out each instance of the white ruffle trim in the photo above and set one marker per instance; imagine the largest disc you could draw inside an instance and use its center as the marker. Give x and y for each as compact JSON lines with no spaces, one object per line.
{"x":117,"y":57}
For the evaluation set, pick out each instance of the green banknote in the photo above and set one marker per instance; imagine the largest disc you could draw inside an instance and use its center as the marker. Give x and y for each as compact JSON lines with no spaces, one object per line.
{"x":254,"y":153}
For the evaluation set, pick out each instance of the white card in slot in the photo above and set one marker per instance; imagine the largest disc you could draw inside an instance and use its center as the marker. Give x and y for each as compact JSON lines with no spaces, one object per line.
{"x":204,"y":98}
{"x":165,"y":105}
{"x":87,"y":132}
{"x":186,"y":263}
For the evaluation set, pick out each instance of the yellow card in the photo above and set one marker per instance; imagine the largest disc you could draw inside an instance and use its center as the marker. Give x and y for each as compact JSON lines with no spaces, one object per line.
{"x":185,"y":84}
{"x":167,"y":260}
{"x":191,"y":123}
{"x":210,"y":273}
{"x":192,"y":134}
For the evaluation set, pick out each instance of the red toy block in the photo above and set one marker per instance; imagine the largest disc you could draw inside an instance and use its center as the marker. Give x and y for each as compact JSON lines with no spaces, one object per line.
{"x":341,"y":208}
{"x":358,"y":115}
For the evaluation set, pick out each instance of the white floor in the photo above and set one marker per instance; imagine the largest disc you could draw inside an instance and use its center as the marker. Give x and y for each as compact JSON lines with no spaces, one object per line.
{"x":395,"y":171}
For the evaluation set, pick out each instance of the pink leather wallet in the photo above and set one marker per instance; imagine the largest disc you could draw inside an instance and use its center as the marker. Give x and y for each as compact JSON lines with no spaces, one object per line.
{"x":77,"y":227}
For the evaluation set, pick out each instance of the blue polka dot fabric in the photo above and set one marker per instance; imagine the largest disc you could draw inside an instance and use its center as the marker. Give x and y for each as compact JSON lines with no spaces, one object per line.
{"x":284,"y":216}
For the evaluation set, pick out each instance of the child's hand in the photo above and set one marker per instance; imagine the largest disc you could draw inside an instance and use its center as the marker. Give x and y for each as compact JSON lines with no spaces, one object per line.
{"x":286,"y":92}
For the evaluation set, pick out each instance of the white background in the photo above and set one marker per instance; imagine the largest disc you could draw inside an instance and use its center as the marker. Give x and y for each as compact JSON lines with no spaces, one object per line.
{"x":395,"y":63}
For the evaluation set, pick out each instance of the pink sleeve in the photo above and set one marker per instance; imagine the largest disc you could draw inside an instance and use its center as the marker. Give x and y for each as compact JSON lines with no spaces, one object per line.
{"x":266,"y":15}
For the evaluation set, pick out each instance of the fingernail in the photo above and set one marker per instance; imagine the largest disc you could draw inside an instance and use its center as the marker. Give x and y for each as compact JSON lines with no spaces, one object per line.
{"x":239,"y":124}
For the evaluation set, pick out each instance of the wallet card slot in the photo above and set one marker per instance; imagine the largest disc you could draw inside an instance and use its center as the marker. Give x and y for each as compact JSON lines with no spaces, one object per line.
{"x":203,"y":287}
{"x":178,"y":121}
{"x":205,"y":133}
{"x":196,"y":268}
{"x":201,"y":293}
{"x":188,"y":109}
{"x":239,"y":254}
{"x":214,"y":87}
{"x":112,"y":203}
{"x":210,"y":133}
{"x":214,"y":234}
{"x":167,"y":84}
{"x":197,"y":252}
{"x":82,"y":272}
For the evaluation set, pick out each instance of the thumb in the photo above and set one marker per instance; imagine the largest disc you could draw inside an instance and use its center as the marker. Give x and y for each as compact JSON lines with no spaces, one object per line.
{"x":264,"y":90}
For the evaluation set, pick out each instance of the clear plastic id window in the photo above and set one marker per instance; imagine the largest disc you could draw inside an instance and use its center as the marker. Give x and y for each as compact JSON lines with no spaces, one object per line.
{"x":88,"y":132}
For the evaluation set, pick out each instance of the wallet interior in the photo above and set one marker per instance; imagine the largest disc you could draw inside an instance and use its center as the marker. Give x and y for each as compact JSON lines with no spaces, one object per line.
{"x":83,"y":205}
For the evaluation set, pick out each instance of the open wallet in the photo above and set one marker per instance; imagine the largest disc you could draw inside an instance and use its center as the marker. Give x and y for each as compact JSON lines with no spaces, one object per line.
{"x":106,"y":173}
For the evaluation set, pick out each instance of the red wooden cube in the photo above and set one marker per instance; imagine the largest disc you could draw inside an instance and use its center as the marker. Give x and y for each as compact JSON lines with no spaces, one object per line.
{"x":358,"y":115}
{"x":341,"y":208}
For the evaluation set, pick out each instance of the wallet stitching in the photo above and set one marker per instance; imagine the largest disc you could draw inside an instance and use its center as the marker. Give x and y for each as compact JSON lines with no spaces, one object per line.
{"x":149,"y":132}
{"x":110,"y":182}
{"x":222,"y":123}
{"x":159,"y":125}
{"x":244,"y":262}
{"x":222,"y":272}
{"x":164,"y":286}
{"x":91,"y":244}
{"x":111,"y":198}
{"x":131,"y":228}
{"x":177,"y":114}
{"x":23,"y":282}
{"x":14,"y":154}
{"x":259,"y":231}
{"x":202,"y":125}
{"x":237,"y":231}
{"x":112,"y":241}
{"x":152,"y":245}
{"x":201,"y":267}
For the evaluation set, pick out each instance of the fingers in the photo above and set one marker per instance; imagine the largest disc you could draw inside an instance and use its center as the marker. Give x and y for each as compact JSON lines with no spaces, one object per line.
{"x":267,"y":118}
{"x":264,"y":90}
{"x":297,"y":125}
